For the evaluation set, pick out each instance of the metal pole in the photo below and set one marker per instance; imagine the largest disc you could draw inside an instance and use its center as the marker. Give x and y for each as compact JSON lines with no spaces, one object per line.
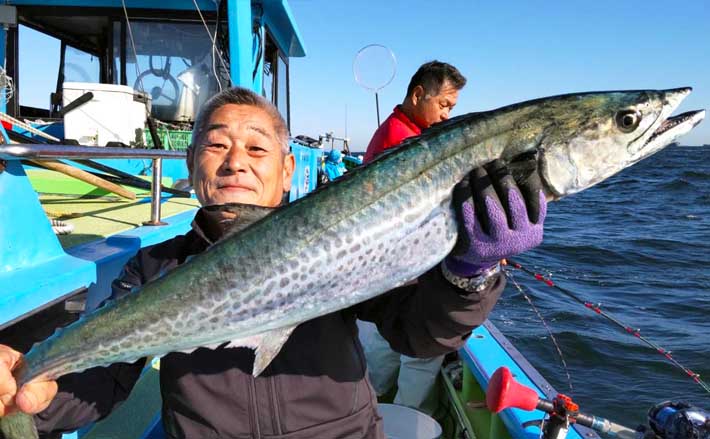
{"x":377,"y":104}
{"x":239,"y":21}
{"x":155,"y":194}
{"x":71,"y":152}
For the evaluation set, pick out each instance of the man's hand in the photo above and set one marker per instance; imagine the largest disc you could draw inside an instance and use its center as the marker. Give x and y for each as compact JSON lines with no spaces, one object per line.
{"x":32,"y":397}
{"x":497,"y":219}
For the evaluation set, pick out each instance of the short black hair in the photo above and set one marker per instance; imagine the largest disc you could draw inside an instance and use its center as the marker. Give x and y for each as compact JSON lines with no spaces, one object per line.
{"x":239,"y":96}
{"x":432,"y":75}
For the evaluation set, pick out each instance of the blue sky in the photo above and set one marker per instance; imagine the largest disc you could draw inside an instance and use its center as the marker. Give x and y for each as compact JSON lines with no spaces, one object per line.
{"x":510,"y":51}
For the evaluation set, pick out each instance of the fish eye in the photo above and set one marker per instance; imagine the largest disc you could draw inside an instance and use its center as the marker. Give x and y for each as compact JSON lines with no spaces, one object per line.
{"x":628,"y":120}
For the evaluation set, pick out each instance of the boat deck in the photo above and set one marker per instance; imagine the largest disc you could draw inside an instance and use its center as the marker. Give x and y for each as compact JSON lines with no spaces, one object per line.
{"x":99,"y":217}
{"x":93,"y":212}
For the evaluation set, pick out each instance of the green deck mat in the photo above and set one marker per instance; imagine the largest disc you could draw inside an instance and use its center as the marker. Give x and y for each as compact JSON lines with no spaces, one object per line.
{"x":98,"y":217}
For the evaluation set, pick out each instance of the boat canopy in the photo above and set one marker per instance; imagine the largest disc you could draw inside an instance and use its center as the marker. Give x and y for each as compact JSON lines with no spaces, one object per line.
{"x":178,"y":52}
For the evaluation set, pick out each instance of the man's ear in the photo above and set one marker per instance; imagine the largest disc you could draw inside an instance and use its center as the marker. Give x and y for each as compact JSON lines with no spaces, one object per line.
{"x":417,"y":94}
{"x":288,"y":168}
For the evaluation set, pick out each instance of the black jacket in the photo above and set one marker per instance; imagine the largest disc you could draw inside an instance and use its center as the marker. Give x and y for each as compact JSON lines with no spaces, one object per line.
{"x":316,"y":387}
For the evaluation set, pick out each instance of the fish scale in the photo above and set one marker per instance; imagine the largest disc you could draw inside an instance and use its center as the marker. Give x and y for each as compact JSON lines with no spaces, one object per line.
{"x":391,"y":220}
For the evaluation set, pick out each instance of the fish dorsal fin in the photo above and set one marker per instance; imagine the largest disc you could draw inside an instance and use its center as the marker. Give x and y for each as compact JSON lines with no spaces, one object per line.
{"x":244,"y":215}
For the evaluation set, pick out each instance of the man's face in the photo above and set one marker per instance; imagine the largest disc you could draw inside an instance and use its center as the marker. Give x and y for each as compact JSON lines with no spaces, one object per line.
{"x":239,"y":159}
{"x":429,"y":110}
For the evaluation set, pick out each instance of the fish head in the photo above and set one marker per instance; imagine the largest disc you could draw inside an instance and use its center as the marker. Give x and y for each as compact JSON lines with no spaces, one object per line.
{"x":586,"y":138}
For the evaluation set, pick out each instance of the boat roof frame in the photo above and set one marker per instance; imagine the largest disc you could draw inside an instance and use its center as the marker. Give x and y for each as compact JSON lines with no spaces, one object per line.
{"x":276,"y":14}
{"x":272,"y":17}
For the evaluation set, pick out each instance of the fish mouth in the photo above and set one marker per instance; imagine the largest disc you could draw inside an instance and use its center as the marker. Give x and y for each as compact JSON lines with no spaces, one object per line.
{"x":677,"y":125}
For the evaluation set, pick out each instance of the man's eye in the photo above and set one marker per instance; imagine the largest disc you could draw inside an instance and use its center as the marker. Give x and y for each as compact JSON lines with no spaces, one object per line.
{"x":257,"y":148}
{"x":215,"y":146}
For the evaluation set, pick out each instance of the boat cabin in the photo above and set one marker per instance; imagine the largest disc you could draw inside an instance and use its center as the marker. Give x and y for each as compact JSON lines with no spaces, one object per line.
{"x":163,"y":58}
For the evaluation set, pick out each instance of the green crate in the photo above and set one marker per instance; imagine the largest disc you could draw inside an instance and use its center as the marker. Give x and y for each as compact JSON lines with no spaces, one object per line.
{"x":177,"y":140}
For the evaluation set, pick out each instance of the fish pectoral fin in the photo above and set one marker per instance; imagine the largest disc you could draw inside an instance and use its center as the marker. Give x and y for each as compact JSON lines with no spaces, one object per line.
{"x":268,"y":348}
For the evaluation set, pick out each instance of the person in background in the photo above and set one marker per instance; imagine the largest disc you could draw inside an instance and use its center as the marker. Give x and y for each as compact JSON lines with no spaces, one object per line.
{"x":431,"y":95}
{"x":334,"y":166}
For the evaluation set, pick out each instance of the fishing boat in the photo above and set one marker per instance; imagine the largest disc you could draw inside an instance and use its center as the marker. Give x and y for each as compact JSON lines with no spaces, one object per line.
{"x":131,"y":77}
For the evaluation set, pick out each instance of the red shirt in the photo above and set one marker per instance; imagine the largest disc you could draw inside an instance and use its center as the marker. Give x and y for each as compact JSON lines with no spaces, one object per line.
{"x":392,"y":132}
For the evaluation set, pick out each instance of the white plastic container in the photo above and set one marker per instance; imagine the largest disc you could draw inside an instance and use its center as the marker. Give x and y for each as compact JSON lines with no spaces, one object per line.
{"x":406,"y":423}
{"x":116,"y":113}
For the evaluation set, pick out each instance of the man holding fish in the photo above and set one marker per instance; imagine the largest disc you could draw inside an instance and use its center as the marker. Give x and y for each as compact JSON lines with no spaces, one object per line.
{"x":316,"y":385}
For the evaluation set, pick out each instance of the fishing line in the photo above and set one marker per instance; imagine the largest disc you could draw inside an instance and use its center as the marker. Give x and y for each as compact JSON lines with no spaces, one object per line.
{"x":597,"y":308}
{"x":509,"y":275}
{"x":214,"y":44}
{"x":135,"y":54}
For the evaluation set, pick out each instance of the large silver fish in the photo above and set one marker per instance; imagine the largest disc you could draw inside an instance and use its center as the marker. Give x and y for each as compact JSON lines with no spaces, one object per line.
{"x":390,"y":221}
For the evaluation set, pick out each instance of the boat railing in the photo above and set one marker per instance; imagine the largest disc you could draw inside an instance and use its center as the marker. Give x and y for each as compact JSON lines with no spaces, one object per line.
{"x":42,"y":151}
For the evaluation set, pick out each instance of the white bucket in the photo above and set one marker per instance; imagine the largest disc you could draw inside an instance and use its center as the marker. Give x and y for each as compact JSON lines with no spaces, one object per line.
{"x":402,"y":422}
{"x":116,"y":113}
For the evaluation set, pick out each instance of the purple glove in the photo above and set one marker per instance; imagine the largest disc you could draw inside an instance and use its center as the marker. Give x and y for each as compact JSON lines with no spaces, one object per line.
{"x":489,"y":230}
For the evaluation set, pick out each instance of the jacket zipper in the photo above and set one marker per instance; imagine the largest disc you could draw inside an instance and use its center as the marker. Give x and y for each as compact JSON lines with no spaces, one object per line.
{"x":276,"y":415}
{"x":255,"y":413}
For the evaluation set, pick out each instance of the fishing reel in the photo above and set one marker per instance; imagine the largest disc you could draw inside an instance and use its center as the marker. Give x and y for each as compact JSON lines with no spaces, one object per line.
{"x":678,"y":420}
{"x":667,"y":420}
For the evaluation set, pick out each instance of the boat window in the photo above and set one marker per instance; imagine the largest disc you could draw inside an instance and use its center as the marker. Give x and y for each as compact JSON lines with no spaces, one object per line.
{"x":173,"y":65}
{"x":80,"y":66}
{"x":275,"y":85}
{"x":269,"y":75}
{"x":282,"y":89}
{"x":38,"y":71}
{"x":116,"y":38}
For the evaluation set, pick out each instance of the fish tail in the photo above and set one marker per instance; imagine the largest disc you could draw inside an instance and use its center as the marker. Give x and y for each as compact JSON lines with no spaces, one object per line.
{"x":18,"y":426}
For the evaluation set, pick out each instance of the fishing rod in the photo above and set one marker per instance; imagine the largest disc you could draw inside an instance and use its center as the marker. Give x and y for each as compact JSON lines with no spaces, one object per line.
{"x":597,"y":308}
{"x":667,"y":420}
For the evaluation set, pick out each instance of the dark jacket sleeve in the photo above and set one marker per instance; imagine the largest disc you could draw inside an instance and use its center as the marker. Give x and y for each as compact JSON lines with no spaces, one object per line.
{"x":431,"y":316}
{"x":91,"y":395}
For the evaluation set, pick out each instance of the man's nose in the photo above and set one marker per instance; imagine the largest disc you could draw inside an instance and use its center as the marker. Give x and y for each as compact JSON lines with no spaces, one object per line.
{"x":235,"y":160}
{"x":445,"y":115}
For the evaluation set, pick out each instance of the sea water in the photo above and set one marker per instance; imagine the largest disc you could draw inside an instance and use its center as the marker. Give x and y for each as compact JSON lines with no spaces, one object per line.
{"x":639,"y":244}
